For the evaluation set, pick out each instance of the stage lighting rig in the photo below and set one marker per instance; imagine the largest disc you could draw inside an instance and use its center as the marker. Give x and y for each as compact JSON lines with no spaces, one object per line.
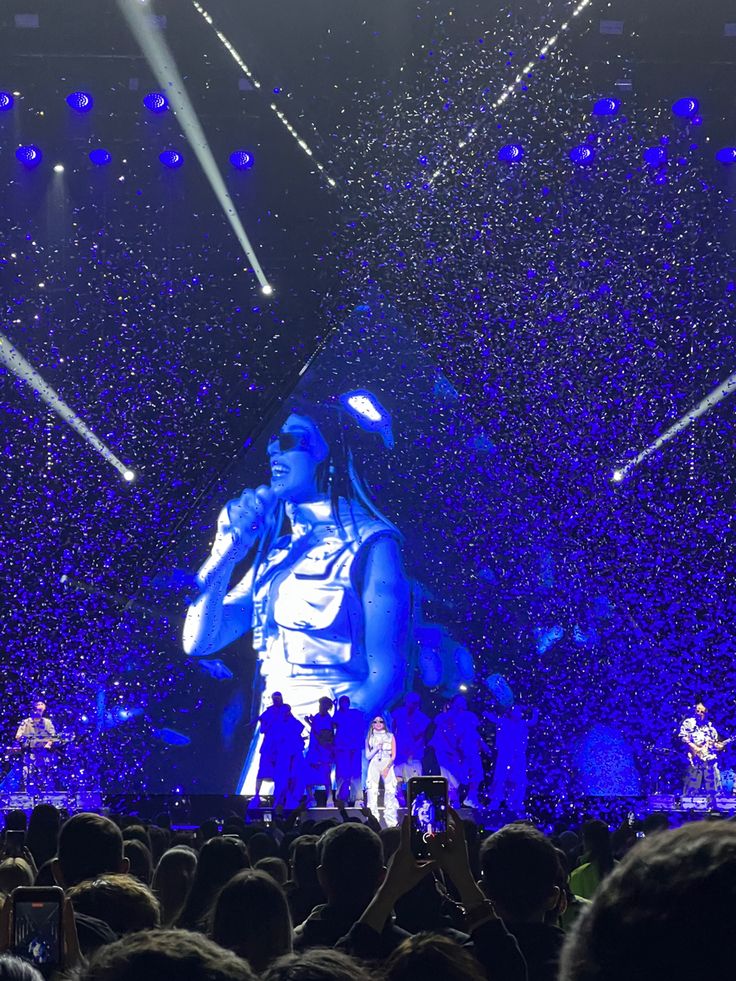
{"x":100,"y":157}
{"x":726,"y":155}
{"x":171,"y":159}
{"x":582,"y":155}
{"x":80,"y":101}
{"x":511,"y":153}
{"x":241,"y":159}
{"x":162,"y":63}
{"x":685,"y":108}
{"x":655,"y":156}
{"x":606,"y":107}
{"x":29,"y":155}
{"x":156,"y":102}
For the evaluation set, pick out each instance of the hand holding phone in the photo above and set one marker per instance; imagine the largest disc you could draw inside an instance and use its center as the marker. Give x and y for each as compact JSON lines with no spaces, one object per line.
{"x":37,"y":926}
{"x":428,"y":814}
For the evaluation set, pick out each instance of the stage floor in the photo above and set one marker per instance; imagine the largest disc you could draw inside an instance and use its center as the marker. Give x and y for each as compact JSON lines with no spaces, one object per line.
{"x":189,"y":811}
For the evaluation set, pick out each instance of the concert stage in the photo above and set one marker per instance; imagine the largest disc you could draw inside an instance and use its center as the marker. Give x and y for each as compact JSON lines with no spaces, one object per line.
{"x":190,"y":811}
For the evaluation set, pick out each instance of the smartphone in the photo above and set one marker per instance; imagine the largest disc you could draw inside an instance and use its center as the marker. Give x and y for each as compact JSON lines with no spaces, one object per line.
{"x":427,"y":813}
{"x":36,"y":926}
{"x":267,"y":818}
{"x":15,"y":842}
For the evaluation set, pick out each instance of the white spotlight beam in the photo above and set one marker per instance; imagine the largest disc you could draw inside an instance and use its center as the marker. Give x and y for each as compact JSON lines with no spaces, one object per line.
{"x":161,"y":60}
{"x":513,"y":87}
{"x":721,"y":392}
{"x":303,"y":145}
{"x":14,"y":360}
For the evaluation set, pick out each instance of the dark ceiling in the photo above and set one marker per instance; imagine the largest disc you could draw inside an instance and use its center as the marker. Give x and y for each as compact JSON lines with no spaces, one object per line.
{"x":162,"y":343}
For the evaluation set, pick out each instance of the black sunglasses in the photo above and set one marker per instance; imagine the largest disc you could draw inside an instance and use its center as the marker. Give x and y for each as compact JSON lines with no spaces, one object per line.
{"x":283,"y":442}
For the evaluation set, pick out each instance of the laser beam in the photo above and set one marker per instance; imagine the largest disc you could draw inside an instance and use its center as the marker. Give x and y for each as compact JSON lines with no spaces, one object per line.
{"x":508,"y":90}
{"x":159,"y":57}
{"x":721,"y":392}
{"x":14,"y":360}
{"x":230,"y":48}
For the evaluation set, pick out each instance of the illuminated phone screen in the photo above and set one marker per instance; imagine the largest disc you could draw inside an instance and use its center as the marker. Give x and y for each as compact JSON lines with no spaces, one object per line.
{"x":37,"y":933}
{"x":428,"y":812}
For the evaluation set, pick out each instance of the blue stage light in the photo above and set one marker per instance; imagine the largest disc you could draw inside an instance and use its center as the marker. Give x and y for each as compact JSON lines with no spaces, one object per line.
{"x":727,"y":155}
{"x":29,"y":155}
{"x":241,"y":159}
{"x":582,"y":155}
{"x":685,"y":108}
{"x":156,"y":102}
{"x":511,"y":153}
{"x":6,"y":101}
{"x":171,"y":159}
{"x":100,"y":157}
{"x":606,"y":107}
{"x":655,"y":155}
{"x":80,"y":101}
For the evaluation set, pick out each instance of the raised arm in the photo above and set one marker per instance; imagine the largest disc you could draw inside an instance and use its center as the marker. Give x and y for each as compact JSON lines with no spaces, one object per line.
{"x":218,"y":616}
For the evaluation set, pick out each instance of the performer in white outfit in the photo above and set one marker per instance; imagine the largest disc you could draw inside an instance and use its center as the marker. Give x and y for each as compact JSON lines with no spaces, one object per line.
{"x":380,"y":751}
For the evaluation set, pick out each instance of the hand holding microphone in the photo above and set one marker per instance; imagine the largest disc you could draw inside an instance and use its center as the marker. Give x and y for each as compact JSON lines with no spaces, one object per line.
{"x":241,"y":521}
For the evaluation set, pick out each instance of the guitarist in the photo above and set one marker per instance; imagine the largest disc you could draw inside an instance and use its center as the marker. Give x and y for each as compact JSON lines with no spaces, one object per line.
{"x":701,"y":739}
{"x":36,"y":734}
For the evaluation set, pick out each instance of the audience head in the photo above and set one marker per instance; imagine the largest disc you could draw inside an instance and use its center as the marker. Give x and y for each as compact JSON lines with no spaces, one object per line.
{"x":15,"y":969}
{"x":139,"y":857}
{"x":261,"y":845}
{"x":14,"y":872}
{"x":662,"y":912}
{"x":165,"y":955}
{"x":275,"y":867}
{"x":209,"y":828}
{"x":90,"y":845}
{"x":251,"y":917}
{"x":351,"y":864}
{"x":219,"y":860}
{"x":597,"y":845}
{"x":43,"y":832}
{"x":317,"y":964}
{"x":16,"y":820}
{"x":569,"y":843}
{"x":304,"y":859}
{"x":520,"y":873}
{"x":430,"y":955}
{"x":172,"y":880}
{"x":136,"y":832}
{"x":159,"y":842}
{"x":121,"y":901}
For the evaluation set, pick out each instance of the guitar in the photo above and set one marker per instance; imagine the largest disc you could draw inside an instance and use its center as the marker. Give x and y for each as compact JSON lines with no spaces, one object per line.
{"x":708,"y":751}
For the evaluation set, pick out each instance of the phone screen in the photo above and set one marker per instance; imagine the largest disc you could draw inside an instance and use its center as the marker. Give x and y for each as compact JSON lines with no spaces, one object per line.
{"x":428,"y":813}
{"x":37,"y":927}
